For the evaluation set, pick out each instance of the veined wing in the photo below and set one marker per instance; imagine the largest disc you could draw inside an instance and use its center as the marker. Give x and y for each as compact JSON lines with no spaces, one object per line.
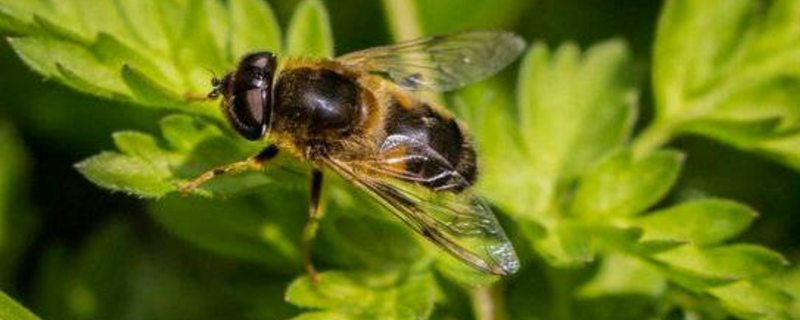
{"x":453,"y":218}
{"x":440,"y":63}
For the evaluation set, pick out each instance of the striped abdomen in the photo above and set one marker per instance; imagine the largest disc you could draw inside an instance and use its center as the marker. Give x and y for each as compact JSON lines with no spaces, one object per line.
{"x":441,"y":133}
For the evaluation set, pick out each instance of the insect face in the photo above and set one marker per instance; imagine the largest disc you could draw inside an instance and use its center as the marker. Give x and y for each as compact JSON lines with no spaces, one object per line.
{"x":247,"y":94}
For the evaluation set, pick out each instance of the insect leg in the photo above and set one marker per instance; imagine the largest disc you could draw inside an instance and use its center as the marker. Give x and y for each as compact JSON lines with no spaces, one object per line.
{"x":254,"y":163}
{"x":314,"y":216}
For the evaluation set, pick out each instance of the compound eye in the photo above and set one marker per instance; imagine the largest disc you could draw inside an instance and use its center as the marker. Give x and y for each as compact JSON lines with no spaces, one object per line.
{"x":249,"y":114}
{"x":248,"y":97}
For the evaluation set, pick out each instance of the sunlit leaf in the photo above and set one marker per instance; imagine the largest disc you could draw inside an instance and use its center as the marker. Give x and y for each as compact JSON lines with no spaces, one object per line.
{"x":125,"y":173}
{"x":46,"y":55}
{"x":255,"y":26}
{"x":734,"y":261}
{"x":636,"y":184}
{"x":620,"y":274}
{"x":562,"y":92}
{"x":370,"y":296}
{"x":754,"y":301}
{"x":745,"y":73}
{"x":700,"y":222}
{"x":309,"y":32}
{"x":150,"y":168}
{"x":11,"y":310}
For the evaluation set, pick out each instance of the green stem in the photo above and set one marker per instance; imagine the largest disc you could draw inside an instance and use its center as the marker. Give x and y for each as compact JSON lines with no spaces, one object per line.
{"x":403,"y":20}
{"x":488,"y":302}
{"x":405,"y":24}
{"x":657,"y":134}
{"x":562,"y":285}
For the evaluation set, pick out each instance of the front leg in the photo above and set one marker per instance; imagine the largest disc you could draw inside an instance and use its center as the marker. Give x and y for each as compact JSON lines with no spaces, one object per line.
{"x":314,"y":216}
{"x":254,"y":163}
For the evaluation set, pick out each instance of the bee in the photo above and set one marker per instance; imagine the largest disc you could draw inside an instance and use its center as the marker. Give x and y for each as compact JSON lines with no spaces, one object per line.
{"x":362,"y":116}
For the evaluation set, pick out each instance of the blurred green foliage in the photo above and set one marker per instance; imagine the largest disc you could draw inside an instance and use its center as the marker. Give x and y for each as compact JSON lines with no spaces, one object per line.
{"x":613,"y":218}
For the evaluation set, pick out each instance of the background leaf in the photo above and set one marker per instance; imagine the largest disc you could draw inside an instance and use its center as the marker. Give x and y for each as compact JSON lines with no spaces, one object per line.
{"x":309,"y":32}
{"x":550,"y":123}
{"x":249,"y":15}
{"x":745,"y":75}
{"x":17,"y":219}
{"x":701,"y":222}
{"x":637,"y":184}
{"x":249,"y":229}
{"x":361,"y":296}
{"x":11,"y":310}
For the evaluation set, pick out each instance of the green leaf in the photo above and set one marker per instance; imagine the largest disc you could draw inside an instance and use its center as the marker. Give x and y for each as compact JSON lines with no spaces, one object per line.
{"x":575,"y":107}
{"x":110,"y":21}
{"x":13,"y":21}
{"x":50,"y":26}
{"x":753,"y":300}
{"x":390,"y":296}
{"x":789,"y":282}
{"x":685,"y":26}
{"x":563,"y":244}
{"x":143,"y":146}
{"x":520,"y":190}
{"x":72,"y":64}
{"x":734,"y":261}
{"x":327,"y":315}
{"x":623,"y":186}
{"x":150,"y":168}
{"x":701,"y":222}
{"x":739,"y":133}
{"x":166,"y":47}
{"x":250,"y":15}
{"x":620,"y":274}
{"x":184,"y":133}
{"x":559,"y":92}
{"x":532,"y":162}
{"x":309,"y":31}
{"x":145,"y":20}
{"x":149,"y":92}
{"x":11,"y":310}
{"x":119,"y":172}
{"x":435,"y":16}
{"x":745,"y":75}
{"x":116,"y":54}
{"x":267,"y":232}
{"x":202,"y":41}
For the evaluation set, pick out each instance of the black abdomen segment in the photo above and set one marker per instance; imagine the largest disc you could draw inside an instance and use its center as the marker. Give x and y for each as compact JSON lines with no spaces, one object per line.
{"x":443,"y":135}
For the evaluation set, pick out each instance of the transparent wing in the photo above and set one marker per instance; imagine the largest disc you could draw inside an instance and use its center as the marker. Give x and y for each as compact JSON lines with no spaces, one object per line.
{"x":440,"y":63}
{"x":457,"y":221}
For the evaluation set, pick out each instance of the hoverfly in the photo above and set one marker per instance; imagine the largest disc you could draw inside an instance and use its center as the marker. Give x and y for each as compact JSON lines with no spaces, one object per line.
{"x":360,"y":116}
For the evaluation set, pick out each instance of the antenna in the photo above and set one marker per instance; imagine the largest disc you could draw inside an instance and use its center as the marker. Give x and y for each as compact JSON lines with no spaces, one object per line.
{"x":216,"y":84}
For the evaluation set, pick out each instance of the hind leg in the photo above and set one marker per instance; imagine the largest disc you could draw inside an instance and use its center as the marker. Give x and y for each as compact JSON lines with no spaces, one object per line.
{"x":314,"y":216}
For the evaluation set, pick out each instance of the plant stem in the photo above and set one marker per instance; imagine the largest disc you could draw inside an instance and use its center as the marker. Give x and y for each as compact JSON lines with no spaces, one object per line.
{"x":561,"y":283}
{"x":403,"y":20}
{"x":405,"y":24}
{"x":657,"y":134}
{"x":488,"y":302}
